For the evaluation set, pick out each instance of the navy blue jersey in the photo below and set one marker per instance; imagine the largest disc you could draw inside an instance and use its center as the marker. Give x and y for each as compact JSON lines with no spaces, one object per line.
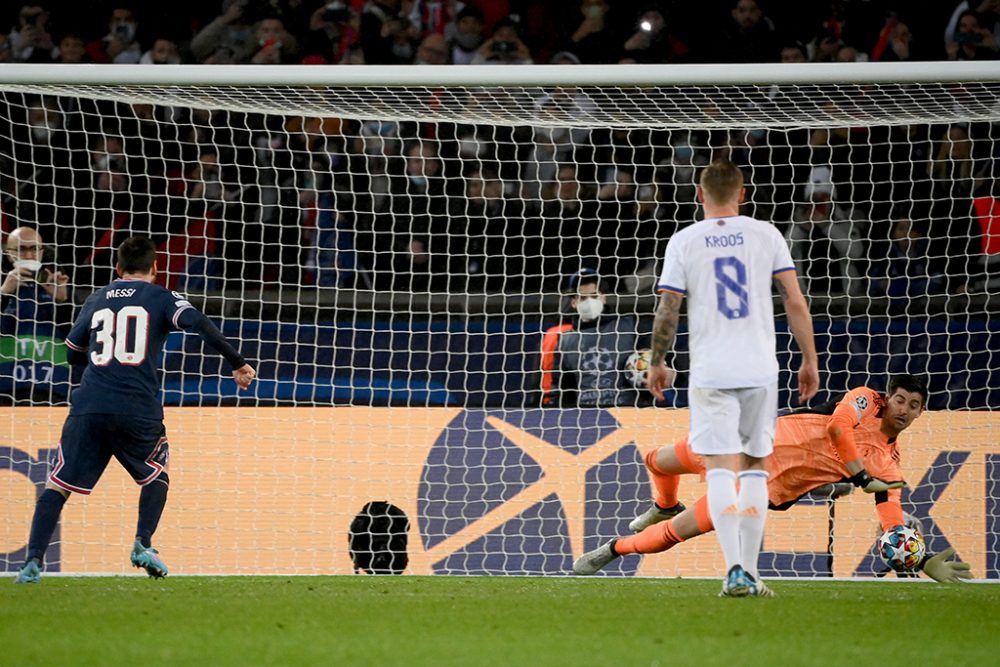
{"x":122,"y":327}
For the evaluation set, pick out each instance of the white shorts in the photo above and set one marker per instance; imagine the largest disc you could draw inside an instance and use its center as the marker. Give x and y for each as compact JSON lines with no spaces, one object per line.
{"x":733,"y":421}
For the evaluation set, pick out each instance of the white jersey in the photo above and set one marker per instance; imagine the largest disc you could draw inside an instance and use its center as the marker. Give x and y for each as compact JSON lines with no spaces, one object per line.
{"x":725,"y":267}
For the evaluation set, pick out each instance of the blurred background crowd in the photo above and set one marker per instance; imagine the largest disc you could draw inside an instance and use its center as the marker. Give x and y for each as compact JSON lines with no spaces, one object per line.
{"x":898,"y":211}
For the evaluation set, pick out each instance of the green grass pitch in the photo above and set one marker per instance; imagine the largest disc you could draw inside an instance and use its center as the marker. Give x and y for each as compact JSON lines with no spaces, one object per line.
{"x":533,"y":621}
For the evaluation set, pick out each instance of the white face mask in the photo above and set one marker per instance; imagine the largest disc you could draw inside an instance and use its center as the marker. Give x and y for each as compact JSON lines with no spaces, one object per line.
{"x":589,"y":308}
{"x":41,"y":132}
{"x":32,"y":265}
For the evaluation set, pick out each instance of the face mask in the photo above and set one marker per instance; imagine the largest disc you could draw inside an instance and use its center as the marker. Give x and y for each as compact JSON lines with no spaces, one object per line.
{"x":269,"y":42}
{"x":418,"y":181}
{"x":589,"y":309}
{"x":966,"y":37}
{"x":32,"y":265}
{"x":124,"y":31}
{"x":468,"y":147}
{"x":41,"y":132}
{"x":403,"y":51}
{"x":101,"y":163}
{"x":468,"y":40}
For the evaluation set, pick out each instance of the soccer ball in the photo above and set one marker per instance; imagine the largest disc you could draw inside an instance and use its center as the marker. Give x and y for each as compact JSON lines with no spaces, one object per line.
{"x":901,"y":548}
{"x":636,"y":366}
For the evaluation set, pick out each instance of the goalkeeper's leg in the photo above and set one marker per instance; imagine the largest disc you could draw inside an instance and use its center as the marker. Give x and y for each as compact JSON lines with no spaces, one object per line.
{"x":659,"y":537}
{"x":665,"y":466}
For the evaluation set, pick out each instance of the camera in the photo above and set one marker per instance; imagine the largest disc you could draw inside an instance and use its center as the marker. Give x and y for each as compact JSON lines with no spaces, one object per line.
{"x":336,"y":12}
{"x":503,"y":48}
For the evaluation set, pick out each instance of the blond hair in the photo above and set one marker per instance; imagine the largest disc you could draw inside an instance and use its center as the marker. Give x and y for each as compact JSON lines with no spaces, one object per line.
{"x":721,"y":181}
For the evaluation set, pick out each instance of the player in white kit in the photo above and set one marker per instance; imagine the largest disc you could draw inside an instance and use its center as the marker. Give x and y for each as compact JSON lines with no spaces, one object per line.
{"x":725,"y":265}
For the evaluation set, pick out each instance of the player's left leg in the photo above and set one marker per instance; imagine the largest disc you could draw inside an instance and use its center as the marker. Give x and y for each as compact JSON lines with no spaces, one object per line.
{"x":144,"y":452}
{"x":758,"y":412}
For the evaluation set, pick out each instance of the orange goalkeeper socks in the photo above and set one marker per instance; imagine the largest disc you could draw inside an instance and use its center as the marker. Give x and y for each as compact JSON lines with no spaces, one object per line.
{"x":658,"y":537}
{"x":665,"y":484}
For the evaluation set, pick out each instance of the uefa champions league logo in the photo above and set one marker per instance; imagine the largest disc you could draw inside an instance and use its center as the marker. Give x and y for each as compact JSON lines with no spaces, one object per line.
{"x":526,"y":492}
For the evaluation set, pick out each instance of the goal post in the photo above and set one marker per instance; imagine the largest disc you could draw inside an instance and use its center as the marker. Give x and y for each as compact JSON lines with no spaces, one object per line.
{"x":391,"y":245}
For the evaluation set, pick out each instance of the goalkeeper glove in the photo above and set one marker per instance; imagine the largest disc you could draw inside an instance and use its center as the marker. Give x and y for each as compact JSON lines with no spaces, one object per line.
{"x":939,"y":568}
{"x":870,"y":484}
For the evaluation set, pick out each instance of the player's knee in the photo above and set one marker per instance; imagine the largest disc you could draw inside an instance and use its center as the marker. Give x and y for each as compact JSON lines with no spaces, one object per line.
{"x":49,"y":486}
{"x":162,"y":478}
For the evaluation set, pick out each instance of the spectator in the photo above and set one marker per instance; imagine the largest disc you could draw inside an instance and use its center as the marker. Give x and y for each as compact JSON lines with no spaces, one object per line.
{"x":164,"y":52}
{"x":334,"y":37}
{"x":227,"y":39}
{"x":825,"y":243}
{"x":431,"y":17}
{"x":72,"y":50}
{"x":30,"y":41}
{"x":750,"y":36}
{"x":433,"y":50}
{"x":971,"y":41}
{"x":954,"y":235}
{"x":385,"y":35}
{"x":468,"y":35}
{"x":794,"y":52}
{"x":988,"y":10}
{"x":119,"y":46}
{"x":849,"y":54}
{"x":583,"y":359}
{"x":36,"y":311}
{"x":652,"y":42}
{"x":591,"y":39}
{"x":274,"y":44}
{"x":893,"y":41}
{"x":504,"y":47}
{"x":906,"y":263}
{"x":5,"y":51}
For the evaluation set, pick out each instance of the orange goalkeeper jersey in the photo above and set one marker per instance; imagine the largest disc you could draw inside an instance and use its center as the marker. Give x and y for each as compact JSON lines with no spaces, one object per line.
{"x":805,"y":458}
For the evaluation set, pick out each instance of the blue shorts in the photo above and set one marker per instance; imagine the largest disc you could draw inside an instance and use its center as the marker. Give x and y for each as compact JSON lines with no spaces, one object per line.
{"x":89,"y":441}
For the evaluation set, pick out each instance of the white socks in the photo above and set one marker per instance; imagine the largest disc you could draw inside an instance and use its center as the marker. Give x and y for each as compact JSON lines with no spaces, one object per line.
{"x":723,"y":507}
{"x":753,"y":512}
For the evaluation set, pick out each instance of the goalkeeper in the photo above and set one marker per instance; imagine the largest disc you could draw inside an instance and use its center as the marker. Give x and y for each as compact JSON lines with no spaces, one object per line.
{"x":810,"y":449}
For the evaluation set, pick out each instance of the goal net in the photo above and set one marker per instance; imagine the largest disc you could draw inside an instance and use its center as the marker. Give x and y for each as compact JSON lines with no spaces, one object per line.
{"x":394,"y":248}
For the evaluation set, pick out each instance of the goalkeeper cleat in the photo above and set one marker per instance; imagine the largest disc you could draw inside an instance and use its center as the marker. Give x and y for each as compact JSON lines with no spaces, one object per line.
{"x":737,"y":584}
{"x":758,"y":589}
{"x":653,"y":515}
{"x":594,"y":561}
{"x":31,"y":573}
{"x":149,"y":559}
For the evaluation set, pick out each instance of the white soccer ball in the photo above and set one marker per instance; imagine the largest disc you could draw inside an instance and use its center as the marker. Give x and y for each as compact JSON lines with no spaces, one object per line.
{"x":636,"y":367}
{"x":901,"y":548}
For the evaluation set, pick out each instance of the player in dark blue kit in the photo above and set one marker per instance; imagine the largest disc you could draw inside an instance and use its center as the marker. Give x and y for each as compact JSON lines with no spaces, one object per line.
{"x":119,"y":336}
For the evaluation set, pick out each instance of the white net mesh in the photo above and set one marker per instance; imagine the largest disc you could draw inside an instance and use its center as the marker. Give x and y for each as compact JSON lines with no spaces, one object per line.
{"x":404,"y":250}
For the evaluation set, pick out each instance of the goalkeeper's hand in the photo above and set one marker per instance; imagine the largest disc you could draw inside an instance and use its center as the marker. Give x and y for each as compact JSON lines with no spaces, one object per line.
{"x":939,"y":568}
{"x":870,"y":484}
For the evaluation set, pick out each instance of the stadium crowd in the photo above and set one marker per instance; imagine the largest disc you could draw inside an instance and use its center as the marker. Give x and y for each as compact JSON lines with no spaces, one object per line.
{"x":897,"y":211}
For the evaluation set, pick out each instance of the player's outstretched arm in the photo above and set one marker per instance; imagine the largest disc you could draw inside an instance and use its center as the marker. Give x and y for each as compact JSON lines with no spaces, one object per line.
{"x":193,"y":320}
{"x":244,"y":375}
{"x":800,"y":322}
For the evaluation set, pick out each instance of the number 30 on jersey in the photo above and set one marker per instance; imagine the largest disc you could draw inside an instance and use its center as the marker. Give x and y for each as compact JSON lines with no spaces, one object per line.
{"x":112,"y":333}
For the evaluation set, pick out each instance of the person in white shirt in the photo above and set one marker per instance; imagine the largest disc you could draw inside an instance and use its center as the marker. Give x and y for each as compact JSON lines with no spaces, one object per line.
{"x":724,"y":265}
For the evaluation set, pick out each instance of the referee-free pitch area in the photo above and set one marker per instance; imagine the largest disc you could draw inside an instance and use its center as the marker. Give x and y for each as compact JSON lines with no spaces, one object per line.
{"x":364,"y":620}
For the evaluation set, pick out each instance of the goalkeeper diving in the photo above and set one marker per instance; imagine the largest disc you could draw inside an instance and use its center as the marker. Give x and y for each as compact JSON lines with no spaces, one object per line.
{"x":854,"y":440}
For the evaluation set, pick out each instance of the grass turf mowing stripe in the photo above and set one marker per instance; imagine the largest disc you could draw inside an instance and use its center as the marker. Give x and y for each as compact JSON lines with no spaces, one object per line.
{"x":489,"y":621}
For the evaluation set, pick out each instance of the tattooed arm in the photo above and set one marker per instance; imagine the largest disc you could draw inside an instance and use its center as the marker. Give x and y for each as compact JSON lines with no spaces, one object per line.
{"x":800,"y":322}
{"x":660,"y":376}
